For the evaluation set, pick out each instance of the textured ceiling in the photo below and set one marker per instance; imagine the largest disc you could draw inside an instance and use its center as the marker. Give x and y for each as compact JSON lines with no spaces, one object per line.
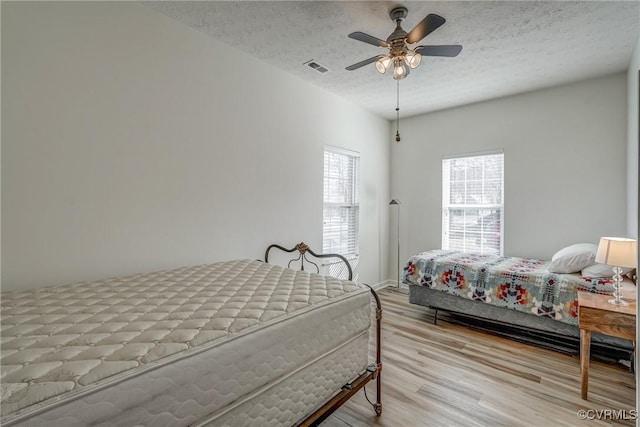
{"x":508,"y":47}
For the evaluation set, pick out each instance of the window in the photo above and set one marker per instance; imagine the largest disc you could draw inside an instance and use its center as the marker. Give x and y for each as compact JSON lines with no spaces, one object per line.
{"x":340,"y":215}
{"x":473,"y":203}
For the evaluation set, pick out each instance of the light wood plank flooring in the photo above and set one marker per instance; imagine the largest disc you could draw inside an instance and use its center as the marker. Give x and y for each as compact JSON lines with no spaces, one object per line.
{"x":450,"y":375}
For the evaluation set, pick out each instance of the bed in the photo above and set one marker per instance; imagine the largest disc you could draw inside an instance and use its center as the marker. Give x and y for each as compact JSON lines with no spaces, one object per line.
{"x":517,"y":295}
{"x":240,"y":342}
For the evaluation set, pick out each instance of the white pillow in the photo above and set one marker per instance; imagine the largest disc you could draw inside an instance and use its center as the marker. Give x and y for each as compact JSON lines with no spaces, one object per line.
{"x":573,"y":258}
{"x":601,"y":270}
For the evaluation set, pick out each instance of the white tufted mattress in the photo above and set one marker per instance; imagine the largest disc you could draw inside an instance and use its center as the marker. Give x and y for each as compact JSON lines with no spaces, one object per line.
{"x":232,"y":343}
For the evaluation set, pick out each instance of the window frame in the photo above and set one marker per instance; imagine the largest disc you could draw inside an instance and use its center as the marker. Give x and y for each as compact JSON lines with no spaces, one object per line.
{"x":354,"y":201}
{"x":447,"y":207}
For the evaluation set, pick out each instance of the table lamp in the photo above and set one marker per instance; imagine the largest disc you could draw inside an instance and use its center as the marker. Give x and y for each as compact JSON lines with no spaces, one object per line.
{"x":619,"y":253}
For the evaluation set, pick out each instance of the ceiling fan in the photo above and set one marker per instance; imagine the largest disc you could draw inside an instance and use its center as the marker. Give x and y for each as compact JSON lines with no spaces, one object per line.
{"x":400,"y":56}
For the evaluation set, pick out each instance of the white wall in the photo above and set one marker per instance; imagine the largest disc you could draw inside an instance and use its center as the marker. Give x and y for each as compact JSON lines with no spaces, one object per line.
{"x":633,"y":158}
{"x":632,"y":143}
{"x":130,"y":144}
{"x":565,"y":167}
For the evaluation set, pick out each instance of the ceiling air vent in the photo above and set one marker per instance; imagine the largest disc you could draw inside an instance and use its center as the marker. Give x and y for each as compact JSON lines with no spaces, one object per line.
{"x":318,"y":67}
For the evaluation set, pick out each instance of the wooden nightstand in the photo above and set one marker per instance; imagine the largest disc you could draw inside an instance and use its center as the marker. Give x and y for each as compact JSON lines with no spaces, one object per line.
{"x":597,"y":315}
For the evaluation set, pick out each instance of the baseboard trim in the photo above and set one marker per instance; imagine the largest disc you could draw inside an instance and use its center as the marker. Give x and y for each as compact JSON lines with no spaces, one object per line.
{"x":391,"y":284}
{"x":382,"y":285}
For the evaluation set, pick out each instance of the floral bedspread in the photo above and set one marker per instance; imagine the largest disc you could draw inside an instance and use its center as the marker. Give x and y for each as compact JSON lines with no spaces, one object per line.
{"x":517,"y":283}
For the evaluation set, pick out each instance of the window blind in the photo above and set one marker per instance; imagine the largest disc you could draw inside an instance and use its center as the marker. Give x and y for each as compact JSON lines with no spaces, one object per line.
{"x":473,"y":203}
{"x":341,"y":203}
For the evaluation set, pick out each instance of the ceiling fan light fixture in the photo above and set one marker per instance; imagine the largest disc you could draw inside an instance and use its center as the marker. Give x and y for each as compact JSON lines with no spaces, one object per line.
{"x":400,"y":56}
{"x":383,"y":64}
{"x":413,"y":58}
{"x":400,"y":69}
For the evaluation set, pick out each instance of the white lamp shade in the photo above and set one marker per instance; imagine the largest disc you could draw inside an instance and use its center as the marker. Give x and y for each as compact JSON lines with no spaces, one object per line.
{"x":400,"y":69}
{"x":382,"y":64}
{"x":413,"y":59}
{"x":617,"y":252}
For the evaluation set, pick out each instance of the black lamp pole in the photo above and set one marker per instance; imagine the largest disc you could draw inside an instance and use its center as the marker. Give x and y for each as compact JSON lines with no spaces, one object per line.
{"x":397,"y":203}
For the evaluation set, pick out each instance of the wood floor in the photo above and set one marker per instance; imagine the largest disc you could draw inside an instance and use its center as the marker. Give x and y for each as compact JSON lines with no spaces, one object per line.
{"x":450,"y":375}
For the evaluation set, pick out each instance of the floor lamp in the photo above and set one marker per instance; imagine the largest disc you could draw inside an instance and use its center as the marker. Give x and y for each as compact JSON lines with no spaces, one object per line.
{"x":396,"y":202}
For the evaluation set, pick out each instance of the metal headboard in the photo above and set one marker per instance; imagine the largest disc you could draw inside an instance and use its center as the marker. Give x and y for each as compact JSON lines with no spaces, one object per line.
{"x":303,"y":249}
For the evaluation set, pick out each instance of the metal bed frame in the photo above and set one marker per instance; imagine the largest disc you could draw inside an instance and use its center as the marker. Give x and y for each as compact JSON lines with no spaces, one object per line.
{"x":528,"y":334}
{"x":372,"y":372}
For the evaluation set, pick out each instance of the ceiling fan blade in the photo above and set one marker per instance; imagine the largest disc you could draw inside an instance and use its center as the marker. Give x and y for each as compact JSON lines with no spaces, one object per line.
{"x":424,"y":27}
{"x":363,"y":63}
{"x":360,"y":36}
{"x":445,"y":50}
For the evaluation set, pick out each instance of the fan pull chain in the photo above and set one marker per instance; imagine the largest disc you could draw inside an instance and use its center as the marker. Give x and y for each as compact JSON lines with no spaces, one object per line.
{"x":397,"y":110}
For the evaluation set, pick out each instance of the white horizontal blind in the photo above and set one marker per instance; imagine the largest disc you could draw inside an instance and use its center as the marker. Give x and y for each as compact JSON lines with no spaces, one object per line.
{"x":473,"y":203}
{"x":341,"y":203}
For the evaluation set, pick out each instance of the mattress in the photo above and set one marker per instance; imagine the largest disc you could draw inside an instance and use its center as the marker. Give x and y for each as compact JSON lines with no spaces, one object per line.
{"x":519,"y":284}
{"x":178,"y":347}
{"x":283,"y":402}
